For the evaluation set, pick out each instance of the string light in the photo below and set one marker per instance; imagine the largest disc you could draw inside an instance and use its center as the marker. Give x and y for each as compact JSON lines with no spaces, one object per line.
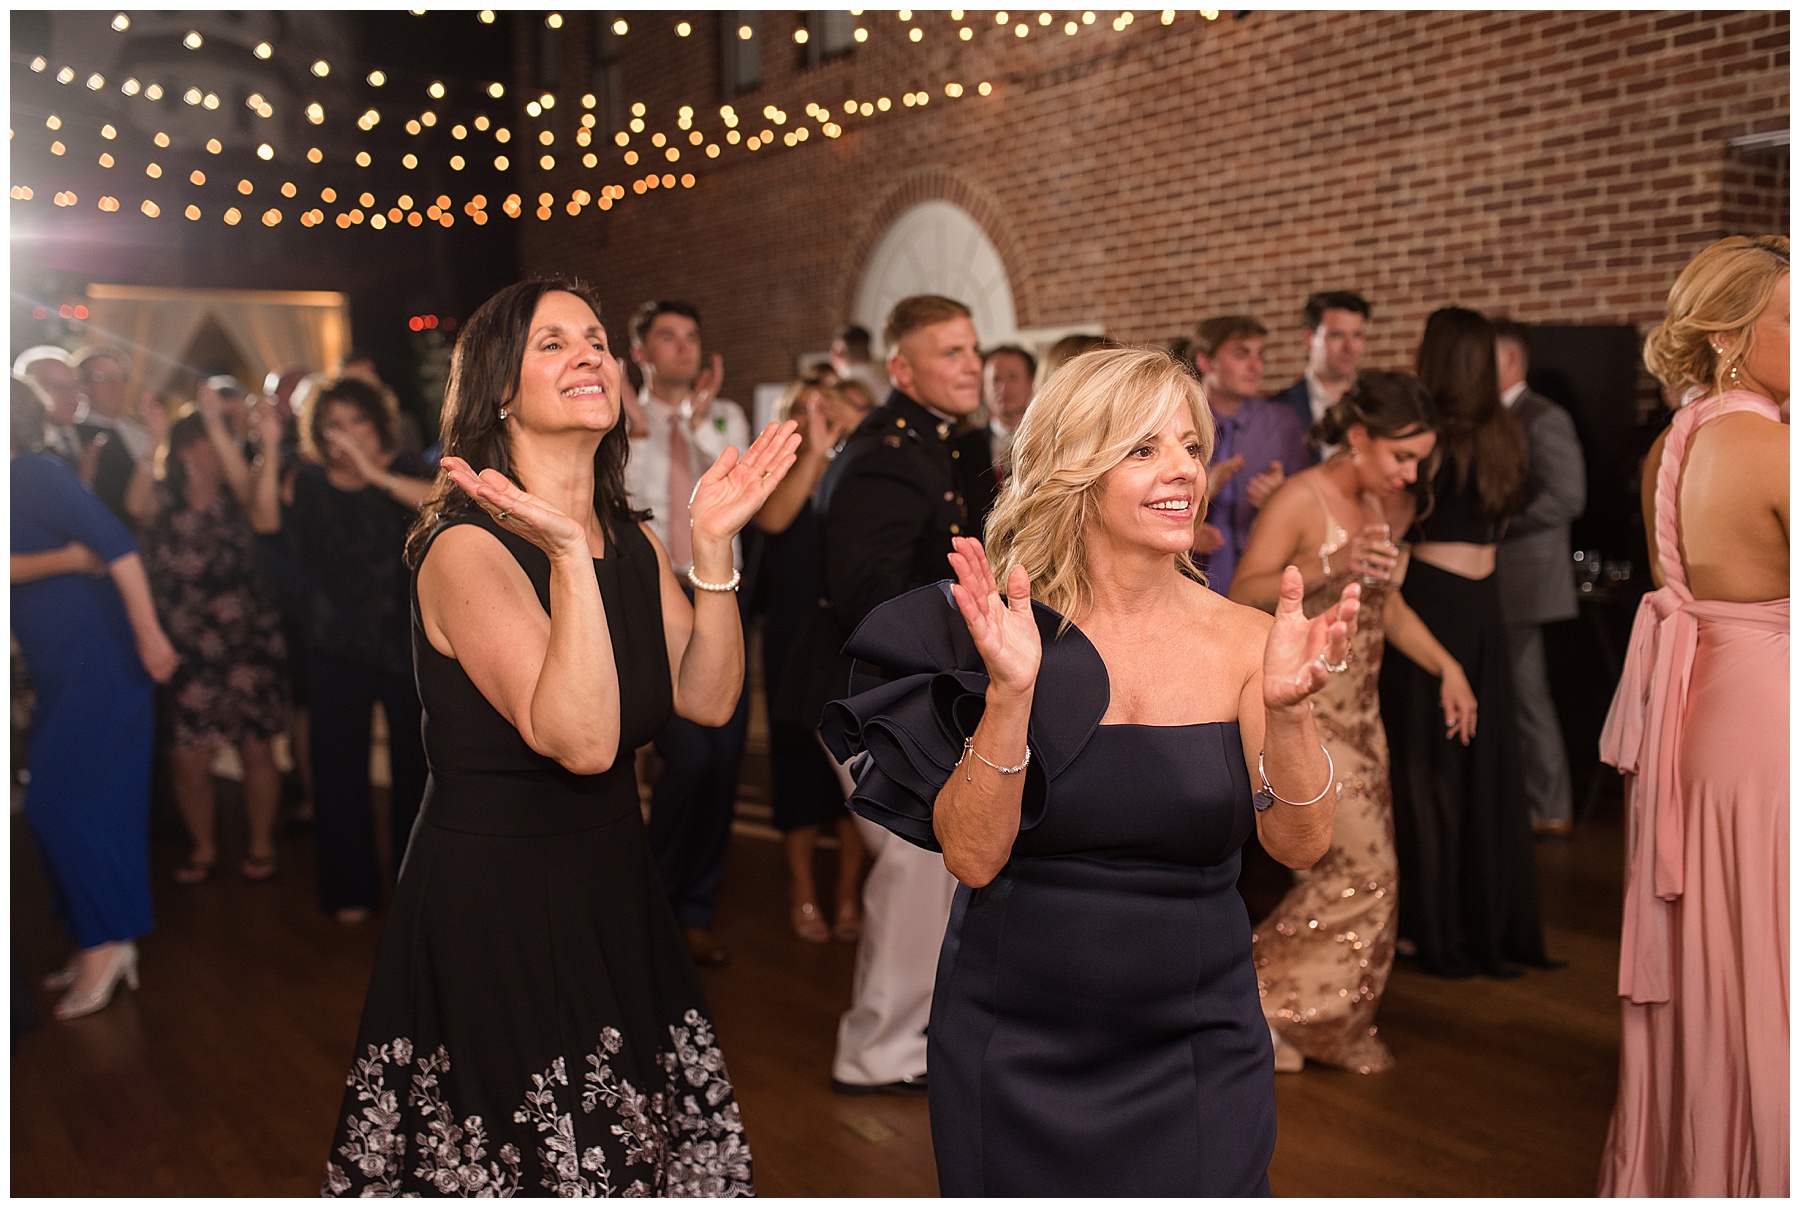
{"x":121,"y":23}
{"x":683,"y":29}
{"x":554,"y":21}
{"x":376,"y":78}
{"x":321,"y":68}
{"x":193,"y":41}
{"x":263,"y":50}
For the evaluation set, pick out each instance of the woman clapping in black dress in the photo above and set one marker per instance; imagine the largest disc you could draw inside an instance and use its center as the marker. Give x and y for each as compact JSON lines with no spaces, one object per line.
{"x":534,"y":1023}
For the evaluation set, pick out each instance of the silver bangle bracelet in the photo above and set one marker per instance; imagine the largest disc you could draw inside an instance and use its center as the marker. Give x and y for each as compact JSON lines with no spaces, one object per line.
{"x":731,"y":584}
{"x":969,"y":749}
{"x":1268,"y":796}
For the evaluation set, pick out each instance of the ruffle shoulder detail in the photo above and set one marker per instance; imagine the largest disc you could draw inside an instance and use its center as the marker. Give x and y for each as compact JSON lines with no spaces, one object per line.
{"x":918,"y":691}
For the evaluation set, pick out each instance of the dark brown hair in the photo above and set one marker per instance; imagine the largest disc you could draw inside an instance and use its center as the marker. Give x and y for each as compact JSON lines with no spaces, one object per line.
{"x":1482,"y":439}
{"x":376,"y":403}
{"x":190,"y":429}
{"x":1389,"y":406}
{"x":484,"y":377}
{"x":1313,"y":313}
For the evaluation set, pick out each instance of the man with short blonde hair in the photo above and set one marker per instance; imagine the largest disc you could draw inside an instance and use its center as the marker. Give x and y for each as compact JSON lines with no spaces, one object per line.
{"x":890,"y":503}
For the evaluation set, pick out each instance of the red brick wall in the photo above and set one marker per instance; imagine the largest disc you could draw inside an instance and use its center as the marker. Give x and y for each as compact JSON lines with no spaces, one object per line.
{"x":1558,"y":166}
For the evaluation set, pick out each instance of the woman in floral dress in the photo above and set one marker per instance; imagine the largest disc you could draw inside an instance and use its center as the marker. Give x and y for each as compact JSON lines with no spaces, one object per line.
{"x":230,"y":689}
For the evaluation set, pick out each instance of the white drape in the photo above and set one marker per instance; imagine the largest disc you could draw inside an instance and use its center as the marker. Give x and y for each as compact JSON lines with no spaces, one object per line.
{"x":271,"y":329}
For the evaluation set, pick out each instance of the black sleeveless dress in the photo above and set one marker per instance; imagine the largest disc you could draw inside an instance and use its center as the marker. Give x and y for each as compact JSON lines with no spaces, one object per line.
{"x":534,"y":1024}
{"x":1095,"y":1027}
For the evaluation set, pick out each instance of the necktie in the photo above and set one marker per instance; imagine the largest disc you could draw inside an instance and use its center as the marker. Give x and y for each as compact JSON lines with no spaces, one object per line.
{"x":681,"y":485}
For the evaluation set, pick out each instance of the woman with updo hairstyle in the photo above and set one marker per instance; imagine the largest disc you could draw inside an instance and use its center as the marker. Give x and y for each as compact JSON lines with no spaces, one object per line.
{"x":1462,"y":825}
{"x":1321,"y":982}
{"x":1095,"y":1027}
{"x":1700,"y":727}
{"x":534,"y":1024}
{"x":340,"y":522}
{"x":804,"y":792}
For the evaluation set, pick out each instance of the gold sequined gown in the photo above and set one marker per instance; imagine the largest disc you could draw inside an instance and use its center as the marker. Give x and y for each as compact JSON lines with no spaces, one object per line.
{"x":1323,"y":955}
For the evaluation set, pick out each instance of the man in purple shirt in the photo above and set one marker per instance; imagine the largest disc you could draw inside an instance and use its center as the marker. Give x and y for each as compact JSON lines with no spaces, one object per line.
{"x":1263,"y":438}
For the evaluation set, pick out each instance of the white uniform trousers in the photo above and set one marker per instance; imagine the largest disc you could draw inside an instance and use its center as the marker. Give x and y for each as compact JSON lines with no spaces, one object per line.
{"x":906,"y":909}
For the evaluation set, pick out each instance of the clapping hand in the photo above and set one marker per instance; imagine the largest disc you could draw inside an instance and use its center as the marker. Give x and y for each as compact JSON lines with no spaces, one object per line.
{"x":822,"y":430}
{"x":1207,"y":538}
{"x":1259,"y":488}
{"x":706,"y":389}
{"x":1298,"y":651}
{"x":517,"y":510}
{"x":1001,"y":623}
{"x":637,"y":422}
{"x":729,"y":493}
{"x":1222,"y":472}
{"x":268,"y":427}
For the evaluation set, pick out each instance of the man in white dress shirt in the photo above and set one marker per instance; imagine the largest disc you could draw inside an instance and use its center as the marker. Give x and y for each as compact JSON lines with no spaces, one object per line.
{"x":678,"y":427}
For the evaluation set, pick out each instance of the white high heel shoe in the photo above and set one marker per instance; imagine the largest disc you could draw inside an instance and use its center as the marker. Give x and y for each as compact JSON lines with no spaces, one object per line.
{"x":124,"y":967}
{"x":64,"y":977}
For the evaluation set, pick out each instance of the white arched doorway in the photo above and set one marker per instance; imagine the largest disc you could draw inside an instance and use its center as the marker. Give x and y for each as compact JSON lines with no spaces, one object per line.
{"x":937,"y":247}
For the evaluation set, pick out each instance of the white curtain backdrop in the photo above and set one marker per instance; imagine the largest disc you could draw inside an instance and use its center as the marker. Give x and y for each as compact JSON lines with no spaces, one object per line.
{"x":271,"y":329}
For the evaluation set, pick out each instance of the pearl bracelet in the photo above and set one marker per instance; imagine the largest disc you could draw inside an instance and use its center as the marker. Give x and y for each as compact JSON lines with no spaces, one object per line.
{"x":731,"y":584}
{"x":1268,"y":796}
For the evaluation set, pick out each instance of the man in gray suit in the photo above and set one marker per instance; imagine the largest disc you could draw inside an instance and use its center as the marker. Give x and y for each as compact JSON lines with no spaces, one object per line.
{"x":1537,"y":576}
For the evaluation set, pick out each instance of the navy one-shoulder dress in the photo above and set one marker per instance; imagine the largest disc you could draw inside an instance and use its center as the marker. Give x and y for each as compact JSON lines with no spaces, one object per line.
{"x":1095,"y":1028}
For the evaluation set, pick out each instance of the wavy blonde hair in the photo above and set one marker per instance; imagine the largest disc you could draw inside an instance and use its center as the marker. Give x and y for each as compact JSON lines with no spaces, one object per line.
{"x":1089,"y":416}
{"x":1721,"y":292}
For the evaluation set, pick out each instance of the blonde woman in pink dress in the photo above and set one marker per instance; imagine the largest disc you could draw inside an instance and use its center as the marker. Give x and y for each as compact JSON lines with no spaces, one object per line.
{"x":1700,"y":725}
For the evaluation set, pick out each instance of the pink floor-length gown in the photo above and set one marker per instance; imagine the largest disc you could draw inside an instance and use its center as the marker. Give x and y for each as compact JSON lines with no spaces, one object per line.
{"x":1700,"y":722}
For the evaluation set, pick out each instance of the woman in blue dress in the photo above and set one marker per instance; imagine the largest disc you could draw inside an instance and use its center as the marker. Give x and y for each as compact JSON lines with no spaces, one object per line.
{"x":82,"y":612}
{"x":1095,"y":1028}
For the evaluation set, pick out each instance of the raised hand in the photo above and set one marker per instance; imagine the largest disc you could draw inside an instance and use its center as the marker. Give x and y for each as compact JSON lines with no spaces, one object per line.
{"x":268,"y":427}
{"x":1297,"y":651}
{"x":637,"y":422}
{"x":1259,"y":488}
{"x":706,"y":389}
{"x":735,"y":486}
{"x":1222,"y":472}
{"x":156,"y":420}
{"x":345,"y":450}
{"x":1001,"y":623}
{"x":821,"y":431}
{"x":518,"y":511}
{"x":1207,"y":538}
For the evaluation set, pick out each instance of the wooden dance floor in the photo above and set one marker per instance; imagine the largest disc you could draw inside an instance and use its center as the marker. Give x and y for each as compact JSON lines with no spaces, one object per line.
{"x":222,"y":1077}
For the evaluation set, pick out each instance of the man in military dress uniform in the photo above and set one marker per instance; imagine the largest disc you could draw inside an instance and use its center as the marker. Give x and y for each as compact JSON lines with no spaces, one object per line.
{"x":891,"y":501}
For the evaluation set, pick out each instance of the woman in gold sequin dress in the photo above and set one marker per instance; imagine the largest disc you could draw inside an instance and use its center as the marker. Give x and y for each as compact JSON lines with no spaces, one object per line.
{"x":1323,"y":956}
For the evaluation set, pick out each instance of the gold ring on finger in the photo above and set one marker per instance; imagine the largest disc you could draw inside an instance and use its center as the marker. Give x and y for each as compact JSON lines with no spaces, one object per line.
{"x":766,"y":473}
{"x":502,"y":515}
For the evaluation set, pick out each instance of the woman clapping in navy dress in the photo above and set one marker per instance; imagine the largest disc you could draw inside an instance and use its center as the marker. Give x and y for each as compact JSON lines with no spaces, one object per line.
{"x":1096,"y":1028}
